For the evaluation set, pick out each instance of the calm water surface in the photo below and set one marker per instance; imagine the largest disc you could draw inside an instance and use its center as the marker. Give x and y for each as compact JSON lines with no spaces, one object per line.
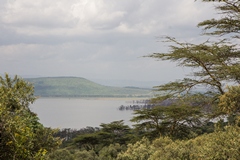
{"x":79,"y":113}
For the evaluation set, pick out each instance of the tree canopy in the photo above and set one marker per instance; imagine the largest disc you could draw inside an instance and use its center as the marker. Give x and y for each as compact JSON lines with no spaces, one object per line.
{"x":22,"y":136}
{"x":176,"y":121}
{"x":229,"y":23}
{"x":214,"y":64}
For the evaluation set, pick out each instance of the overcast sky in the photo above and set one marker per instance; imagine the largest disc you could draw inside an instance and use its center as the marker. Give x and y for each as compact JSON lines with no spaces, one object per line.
{"x":96,"y":39}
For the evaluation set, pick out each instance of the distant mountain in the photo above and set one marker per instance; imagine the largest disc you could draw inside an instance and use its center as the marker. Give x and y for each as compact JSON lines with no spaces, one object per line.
{"x":124,"y":83}
{"x":81,"y":87}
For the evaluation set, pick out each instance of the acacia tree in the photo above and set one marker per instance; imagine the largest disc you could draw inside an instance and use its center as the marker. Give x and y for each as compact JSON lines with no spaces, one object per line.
{"x":214,"y":64}
{"x":229,"y":23}
{"x":115,"y":132}
{"x":176,"y":121}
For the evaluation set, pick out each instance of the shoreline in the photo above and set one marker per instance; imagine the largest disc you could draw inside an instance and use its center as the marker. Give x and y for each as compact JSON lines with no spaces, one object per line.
{"x":97,"y":98}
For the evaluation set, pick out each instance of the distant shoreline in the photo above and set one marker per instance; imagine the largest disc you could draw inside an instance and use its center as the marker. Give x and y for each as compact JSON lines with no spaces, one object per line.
{"x":100,"y":98}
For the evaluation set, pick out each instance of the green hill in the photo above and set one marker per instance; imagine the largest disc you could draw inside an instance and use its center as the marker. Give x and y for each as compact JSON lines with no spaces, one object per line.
{"x":81,"y":87}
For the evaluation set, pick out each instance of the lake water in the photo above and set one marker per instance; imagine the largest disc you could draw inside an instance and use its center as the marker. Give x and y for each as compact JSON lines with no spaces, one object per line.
{"x":79,"y":112}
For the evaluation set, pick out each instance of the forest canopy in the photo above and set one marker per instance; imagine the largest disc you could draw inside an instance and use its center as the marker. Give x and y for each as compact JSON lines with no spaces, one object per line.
{"x":22,"y":136}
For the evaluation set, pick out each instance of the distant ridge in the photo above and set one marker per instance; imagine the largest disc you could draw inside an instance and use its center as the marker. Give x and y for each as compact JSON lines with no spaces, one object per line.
{"x":81,"y":87}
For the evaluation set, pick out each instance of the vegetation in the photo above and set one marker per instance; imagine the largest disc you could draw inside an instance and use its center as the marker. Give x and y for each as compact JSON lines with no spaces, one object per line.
{"x":21,"y":135}
{"x":96,"y":143}
{"x":191,"y":127}
{"x":80,"y":87}
{"x":217,"y":145}
{"x":174,"y":121}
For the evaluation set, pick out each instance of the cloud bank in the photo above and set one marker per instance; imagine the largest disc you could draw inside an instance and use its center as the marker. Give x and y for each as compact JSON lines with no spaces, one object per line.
{"x":95,"y":39}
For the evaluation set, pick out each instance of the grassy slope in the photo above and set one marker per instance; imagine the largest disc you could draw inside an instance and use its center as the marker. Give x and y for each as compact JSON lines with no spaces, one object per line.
{"x":80,"y":87}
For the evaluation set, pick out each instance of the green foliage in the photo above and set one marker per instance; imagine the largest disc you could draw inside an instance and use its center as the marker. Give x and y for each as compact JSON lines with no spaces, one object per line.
{"x":16,"y":135}
{"x":110,"y":152}
{"x":15,"y":93}
{"x":85,"y":155}
{"x":61,"y":154}
{"x":230,"y":101}
{"x":68,"y":154}
{"x":112,"y":133}
{"x":149,"y":120}
{"x":213,"y":64}
{"x":228,"y":23}
{"x":182,"y":130}
{"x":87,"y":141}
{"x":115,"y":132}
{"x":80,"y":87}
{"x":217,"y":145}
{"x":21,"y":135}
{"x":176,"y":121}
{"x":67,"y":134}
{"x":141,"y":150}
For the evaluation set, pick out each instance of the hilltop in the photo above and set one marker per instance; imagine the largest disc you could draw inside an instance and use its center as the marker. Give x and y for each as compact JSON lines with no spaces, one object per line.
{"x":81,"y":87}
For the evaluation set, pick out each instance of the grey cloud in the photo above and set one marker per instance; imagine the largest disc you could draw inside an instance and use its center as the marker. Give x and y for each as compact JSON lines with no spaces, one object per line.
{"x":94,"y":39}
{"x":152,"y":18}
{"x":74,"y":16}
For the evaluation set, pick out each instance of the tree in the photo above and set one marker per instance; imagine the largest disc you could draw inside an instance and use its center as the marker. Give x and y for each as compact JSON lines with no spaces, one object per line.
{"x":216,"y":145}
{"x":60,"y":154}
{"x":21,"y":135}
{"x":141,"y":150}
{"x":110,"y":133}
{"x":229,"y":23}
{"x":149,"y":120}
{"x":115,"y":132}
{"x":176,"y":121}
{"x":110,"y":152}
{"x":16,"y":93}
{"x":87,"y":141}
{"x":85,"y":155}
{"x":229,"y":103}
{"x":213,"y":64}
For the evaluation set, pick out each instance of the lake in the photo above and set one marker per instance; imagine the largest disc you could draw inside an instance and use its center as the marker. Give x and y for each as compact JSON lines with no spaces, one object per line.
{"x":80,"y":112}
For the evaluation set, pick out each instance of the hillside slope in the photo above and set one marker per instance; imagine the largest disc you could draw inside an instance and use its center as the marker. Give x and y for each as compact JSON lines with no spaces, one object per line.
{"x":81,"y":87}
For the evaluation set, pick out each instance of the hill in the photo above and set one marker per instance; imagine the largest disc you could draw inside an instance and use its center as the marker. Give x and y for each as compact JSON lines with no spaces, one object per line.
{"x":81,"y":87}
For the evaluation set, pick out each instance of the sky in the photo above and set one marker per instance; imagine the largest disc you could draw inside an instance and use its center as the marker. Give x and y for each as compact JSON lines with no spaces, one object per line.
{"x":96,"y":39}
